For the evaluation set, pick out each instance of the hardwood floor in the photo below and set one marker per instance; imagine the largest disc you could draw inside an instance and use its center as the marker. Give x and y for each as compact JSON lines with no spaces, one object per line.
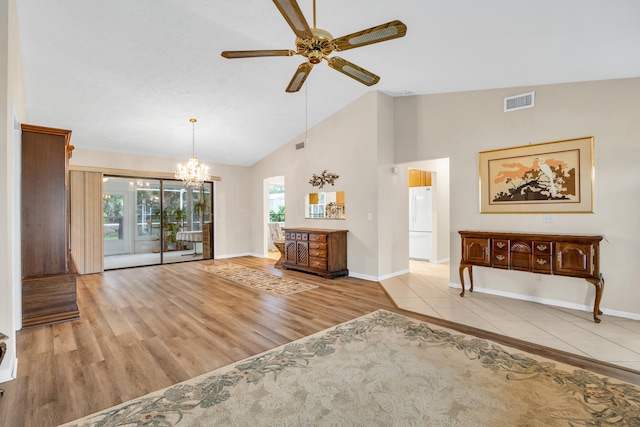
{"x":146,"y":328}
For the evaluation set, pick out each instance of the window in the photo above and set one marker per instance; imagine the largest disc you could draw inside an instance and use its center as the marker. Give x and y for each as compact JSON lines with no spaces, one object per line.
{"x":113,"y":210}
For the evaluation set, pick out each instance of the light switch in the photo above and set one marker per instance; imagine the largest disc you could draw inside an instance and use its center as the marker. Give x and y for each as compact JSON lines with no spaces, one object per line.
{"x":369,"y":216}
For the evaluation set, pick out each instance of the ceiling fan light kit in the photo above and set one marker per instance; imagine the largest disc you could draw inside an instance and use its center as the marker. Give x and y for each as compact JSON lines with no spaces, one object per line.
{"x":317,"y":44}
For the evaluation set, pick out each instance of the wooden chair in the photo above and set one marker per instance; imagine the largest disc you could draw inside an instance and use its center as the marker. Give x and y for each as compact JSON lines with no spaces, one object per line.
{"x":277,"y":237}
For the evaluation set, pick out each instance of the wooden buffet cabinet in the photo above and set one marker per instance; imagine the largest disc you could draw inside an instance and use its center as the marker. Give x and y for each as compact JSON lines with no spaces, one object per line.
{"x":556,"y":254}
{"x":48,"y":271}
{"x":318,"y":251}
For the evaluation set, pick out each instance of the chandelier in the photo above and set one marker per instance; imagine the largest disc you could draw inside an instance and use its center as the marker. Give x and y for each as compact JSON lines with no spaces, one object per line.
{"x":193,"y":174}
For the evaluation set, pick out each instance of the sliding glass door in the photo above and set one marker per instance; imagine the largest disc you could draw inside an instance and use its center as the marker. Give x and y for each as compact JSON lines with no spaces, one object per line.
{"x":153,"y":221}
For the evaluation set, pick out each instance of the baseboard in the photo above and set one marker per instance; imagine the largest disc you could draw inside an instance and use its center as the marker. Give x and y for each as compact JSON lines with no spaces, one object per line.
{"x":363,"y":276}
{"x":224,"y":256}
{"x":9,"y":373}
{"x":377,"y":278}
{"x":439,"y":261}
{"x":392,"y":275}
{"x":551,"y":302}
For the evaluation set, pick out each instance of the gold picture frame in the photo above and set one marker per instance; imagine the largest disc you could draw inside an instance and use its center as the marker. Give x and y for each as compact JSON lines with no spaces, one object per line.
{"x":552,"y":177}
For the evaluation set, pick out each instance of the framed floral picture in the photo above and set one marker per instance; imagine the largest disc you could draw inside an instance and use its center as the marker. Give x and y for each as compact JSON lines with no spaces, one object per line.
{"x":553,"y":177}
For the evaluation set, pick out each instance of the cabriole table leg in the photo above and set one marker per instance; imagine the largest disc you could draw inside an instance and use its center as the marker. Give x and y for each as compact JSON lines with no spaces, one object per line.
{"x":599,"y":284}
{"x":468,"y":267}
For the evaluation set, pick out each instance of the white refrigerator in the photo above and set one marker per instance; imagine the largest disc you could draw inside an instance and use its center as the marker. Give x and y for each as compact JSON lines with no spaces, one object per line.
{"x":420,"y":223}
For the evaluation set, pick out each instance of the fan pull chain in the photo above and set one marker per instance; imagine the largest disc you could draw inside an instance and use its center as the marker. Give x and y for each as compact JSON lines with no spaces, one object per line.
{"x":306,"y":112}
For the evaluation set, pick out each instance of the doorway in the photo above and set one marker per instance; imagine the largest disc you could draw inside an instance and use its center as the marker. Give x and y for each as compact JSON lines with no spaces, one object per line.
{"x":429,"y":213}
{"x":274,"y":214}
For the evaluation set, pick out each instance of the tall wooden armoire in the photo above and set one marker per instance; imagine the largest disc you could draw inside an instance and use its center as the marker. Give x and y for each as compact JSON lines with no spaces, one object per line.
{"x":48,"y":271}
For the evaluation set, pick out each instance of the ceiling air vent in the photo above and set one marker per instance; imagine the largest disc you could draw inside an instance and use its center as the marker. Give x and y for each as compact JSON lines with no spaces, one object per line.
{"x":300,"y":145}
{"x":519,"y":102}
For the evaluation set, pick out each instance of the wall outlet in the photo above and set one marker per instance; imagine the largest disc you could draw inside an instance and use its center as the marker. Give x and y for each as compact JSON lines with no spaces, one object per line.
{"x":547,"y":218}
{"x":369,"y":216}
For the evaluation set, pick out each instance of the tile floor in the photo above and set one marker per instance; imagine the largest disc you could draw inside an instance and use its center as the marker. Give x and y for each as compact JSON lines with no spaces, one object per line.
{"x":426,"y":290}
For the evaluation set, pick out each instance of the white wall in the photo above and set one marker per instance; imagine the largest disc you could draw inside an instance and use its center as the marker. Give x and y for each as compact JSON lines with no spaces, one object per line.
{"x":11,"y":90}
{"x":459,"y":125}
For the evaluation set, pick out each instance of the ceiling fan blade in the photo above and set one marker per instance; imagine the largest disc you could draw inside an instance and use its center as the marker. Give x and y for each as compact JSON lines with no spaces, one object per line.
{"x":299,"y":77}
{"x":390,"y":30}
{"x":292,"y":13}
{"x":353,"y":71}
{"x":256,"y":53}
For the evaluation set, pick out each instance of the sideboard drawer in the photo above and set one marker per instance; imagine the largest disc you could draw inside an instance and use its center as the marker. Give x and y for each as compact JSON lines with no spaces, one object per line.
{"x":500,"y":245}
{"x":317,"y":237}
{"x":317,"y":245}
{"x":318,"y":253}
{"x":541,"y":264}
{"x":542,"y":248}
{"x":320,"y":263}
{"x":500,"y":259}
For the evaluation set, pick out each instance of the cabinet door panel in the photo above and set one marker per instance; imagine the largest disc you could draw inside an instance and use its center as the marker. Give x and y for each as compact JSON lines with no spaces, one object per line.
{"x":290,"y":253}
{"x":302,"y":253}
{"x":476,"y":251}
{"x":521,"y":255}
{"x":573,"y":259}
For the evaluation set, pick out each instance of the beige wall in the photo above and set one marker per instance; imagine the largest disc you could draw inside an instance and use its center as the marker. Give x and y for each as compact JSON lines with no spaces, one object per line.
{"x":357,"y":144}
{"x":231,"y":203}
{"x":393,"y":199}
{"x":11,"y":90}
{"x":459,"y":125}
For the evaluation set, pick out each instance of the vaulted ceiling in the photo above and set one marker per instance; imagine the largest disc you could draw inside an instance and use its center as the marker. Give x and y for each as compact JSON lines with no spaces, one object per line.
{"x":126,"y":76}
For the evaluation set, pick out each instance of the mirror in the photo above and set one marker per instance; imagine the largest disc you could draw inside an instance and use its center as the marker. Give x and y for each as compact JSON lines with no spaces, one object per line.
{"x":329,"y":205}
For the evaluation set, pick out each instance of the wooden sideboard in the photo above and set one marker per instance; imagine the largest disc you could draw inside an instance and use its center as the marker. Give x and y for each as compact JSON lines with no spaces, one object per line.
{"x":556,"y":254}
{"x":318,"y":251}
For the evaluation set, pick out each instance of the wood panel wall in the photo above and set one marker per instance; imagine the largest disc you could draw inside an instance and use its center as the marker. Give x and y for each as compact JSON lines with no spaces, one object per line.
{"x":87,"y":244}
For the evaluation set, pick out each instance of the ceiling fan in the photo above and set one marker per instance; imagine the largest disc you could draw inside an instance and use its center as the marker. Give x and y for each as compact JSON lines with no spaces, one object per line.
{"x":316,"y":44}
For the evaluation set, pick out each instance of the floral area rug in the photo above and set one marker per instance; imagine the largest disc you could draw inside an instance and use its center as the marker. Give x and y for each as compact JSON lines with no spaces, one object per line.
{"x":384,"y":369}
{"x":265,"y":282}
